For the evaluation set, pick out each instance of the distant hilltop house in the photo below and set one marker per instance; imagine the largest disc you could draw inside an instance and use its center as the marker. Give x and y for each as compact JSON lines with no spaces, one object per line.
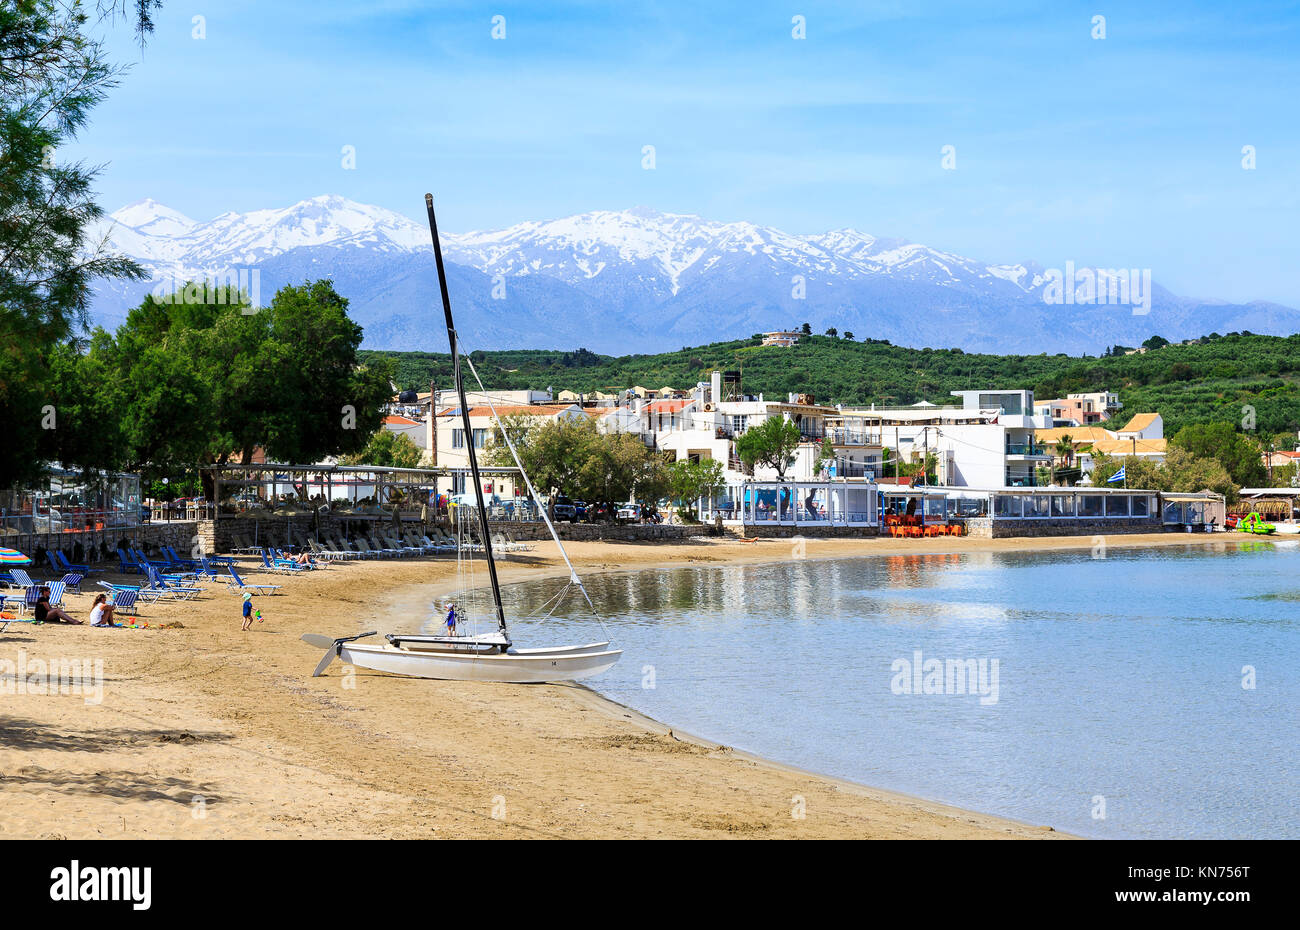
{"x":783,"y":339}
{"x":1280,"y":458}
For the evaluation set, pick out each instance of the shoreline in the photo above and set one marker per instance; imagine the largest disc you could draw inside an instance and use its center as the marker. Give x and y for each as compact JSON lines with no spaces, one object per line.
{"x":1010,"y":544}
{"x":206,"y":732}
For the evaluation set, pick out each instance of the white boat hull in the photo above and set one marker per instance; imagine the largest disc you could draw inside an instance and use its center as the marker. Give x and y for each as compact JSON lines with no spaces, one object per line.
{"x":470,"y":663}
{"x":1286,"y":529}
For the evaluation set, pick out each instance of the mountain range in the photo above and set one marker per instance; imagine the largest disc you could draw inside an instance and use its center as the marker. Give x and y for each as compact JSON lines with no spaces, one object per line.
{"x":643,"y":281}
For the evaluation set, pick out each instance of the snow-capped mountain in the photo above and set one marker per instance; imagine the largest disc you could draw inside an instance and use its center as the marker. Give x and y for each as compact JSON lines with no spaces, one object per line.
{"x":641,"y":280}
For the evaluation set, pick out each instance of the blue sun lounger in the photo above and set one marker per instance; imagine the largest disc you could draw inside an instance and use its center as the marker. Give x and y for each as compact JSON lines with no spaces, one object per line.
{"x":238,"y":585}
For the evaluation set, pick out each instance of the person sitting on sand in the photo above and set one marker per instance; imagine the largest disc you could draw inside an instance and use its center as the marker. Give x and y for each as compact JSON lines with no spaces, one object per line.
{"x":101,"y":612}
{"x":451,"y":619}
{"x":45,"y":613}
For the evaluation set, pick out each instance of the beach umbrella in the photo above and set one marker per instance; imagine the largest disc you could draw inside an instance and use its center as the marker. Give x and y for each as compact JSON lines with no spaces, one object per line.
{"x":12,"y":557}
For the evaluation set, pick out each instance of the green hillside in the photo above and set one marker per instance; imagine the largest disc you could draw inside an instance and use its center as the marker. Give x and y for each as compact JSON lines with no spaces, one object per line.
{"x":1205,"y":381}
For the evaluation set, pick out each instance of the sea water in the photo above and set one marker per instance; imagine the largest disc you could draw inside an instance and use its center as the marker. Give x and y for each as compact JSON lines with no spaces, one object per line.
{"x":1114,"y":693}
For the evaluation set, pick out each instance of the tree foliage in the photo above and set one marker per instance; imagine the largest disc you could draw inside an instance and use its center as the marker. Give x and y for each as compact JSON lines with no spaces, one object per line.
{"x":772,"y":442}
{"x":52,"y":74}
{"x":1239,"y":455}
{"x":688,"y":481}
{"x":184,"y":382}
{"x":387,"y":449}
{"x":575,"y":459}
{"x":1230,"y":372}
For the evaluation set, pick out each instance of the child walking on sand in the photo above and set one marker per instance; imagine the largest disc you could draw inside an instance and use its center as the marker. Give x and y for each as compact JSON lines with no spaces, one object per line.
{"x":248,"y":612}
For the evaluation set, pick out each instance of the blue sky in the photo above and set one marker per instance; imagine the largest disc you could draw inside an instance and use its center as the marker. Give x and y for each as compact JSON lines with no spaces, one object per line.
{"x":1119,"y":152}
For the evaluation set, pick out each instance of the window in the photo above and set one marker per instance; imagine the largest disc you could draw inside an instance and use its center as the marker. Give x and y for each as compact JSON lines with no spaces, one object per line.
{"x":1041,"y":504}
{"x":1062,"y":505}
{"x":1142,"y":506}
{"x":458,"y":439}
{"x":739,"y":423}
{"x":1090,"y":505}
{"x":480,"y":439}
{"x":1117,"y":505}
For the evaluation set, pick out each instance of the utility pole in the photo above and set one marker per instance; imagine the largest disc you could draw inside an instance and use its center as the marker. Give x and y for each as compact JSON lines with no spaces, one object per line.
{"x":925,"y":459}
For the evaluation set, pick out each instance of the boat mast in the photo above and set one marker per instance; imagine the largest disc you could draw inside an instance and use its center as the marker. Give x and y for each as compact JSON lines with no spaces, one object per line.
{"x":464,"y":413}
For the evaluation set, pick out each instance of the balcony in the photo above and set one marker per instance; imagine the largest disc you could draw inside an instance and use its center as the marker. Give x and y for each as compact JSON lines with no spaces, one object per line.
{"x":1028,"y":449}
{"x":853,"y":437}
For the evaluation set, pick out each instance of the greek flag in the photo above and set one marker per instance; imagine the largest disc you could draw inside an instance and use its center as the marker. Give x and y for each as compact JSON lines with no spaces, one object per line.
{"x":1118,"y":476}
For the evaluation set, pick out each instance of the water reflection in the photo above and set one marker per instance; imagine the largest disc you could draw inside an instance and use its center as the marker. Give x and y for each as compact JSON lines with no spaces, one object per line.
{"x":1120,"y":676}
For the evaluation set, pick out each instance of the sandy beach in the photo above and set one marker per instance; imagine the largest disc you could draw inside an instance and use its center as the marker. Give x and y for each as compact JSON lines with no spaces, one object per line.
{"x":207,"y":732}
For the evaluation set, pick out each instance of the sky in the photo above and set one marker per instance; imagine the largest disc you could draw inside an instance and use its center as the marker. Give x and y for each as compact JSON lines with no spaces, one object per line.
{"x":1117,"y":152}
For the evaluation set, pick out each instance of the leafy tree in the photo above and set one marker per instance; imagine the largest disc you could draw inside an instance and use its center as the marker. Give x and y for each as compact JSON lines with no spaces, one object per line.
{"x":552,"y":453}
{"x":825,"y":453}
{"x":617,"y":466}
{"x":806,"y":329}
{"x":1155,"y":342}
{"x":197,"y":379}
{"x":1064,"y":450}
{"x":387,"y":449}
{"x":1181,"y":471}
{"x":832,"y":332}
{"x":772,"y":442}
{"x":688,"y":481}
{"x":1239,"y":455}
{"x":848,"y":334}
{"x":52,"y":74}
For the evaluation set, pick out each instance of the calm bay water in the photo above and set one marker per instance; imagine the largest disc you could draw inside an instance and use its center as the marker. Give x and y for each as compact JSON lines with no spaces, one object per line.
{"x":1119,"y":678}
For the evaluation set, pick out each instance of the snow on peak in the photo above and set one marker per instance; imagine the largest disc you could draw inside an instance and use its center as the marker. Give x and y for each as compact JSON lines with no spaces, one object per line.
{"x":655,"y":249}
{"x":150,"y":217}
{"x":151,"y":231}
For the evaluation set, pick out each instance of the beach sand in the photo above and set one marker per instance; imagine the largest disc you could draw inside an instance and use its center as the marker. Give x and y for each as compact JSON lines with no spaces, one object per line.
{"x":209,"y":732}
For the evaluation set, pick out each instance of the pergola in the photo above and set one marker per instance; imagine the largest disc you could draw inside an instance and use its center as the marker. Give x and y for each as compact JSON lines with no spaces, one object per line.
{"x":314,"y":486}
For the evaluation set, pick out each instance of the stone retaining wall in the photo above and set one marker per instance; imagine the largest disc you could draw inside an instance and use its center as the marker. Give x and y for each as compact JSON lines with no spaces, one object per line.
{"x":986,"y":528}
{"x":147,"y":535}
{"x":631,"y":532}
{"x":810,"y":529}
{"x":219,"y":535}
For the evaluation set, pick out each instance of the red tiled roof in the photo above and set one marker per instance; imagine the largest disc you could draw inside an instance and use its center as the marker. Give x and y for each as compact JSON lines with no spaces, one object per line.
{"x":394,"y":420}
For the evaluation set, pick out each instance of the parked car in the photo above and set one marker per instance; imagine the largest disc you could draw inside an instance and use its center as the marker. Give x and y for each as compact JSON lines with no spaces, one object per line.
{"x":599,"y":513}
{"x":629,"y":512}
{"x":580,"y":511}
{"x":563,"y":509}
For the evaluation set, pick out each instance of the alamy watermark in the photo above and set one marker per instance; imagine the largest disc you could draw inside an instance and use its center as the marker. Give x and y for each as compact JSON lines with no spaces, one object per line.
{"x":1123,"y":287}
{"x":242,"y":286}
{"x":920,"y":675}
{"x":59,"y":676}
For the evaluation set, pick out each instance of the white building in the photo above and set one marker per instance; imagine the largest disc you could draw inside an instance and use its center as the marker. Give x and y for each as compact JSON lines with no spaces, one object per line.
{"x":986,"y":442}
{"x":451,"y":444}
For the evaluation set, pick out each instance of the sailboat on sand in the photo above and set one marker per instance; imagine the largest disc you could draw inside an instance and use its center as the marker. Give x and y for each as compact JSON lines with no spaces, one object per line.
{"x":485,"y":657}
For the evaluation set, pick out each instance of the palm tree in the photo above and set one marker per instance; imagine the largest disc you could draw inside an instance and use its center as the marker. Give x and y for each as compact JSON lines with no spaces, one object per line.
{"x":1065,"y":451}
{"x":832,"y":332}
{"x":848,"y":334}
